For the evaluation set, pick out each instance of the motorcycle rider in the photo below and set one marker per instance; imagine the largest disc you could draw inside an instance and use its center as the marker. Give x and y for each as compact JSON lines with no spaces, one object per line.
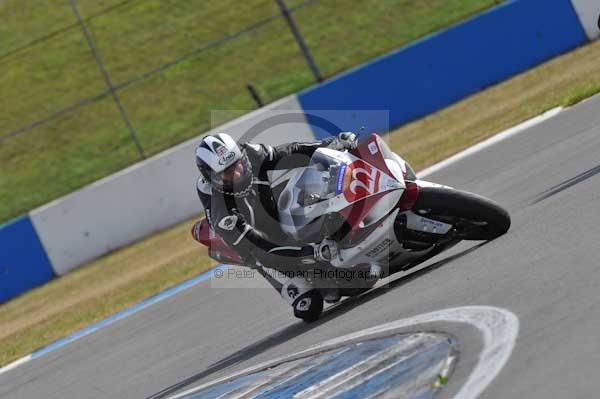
{"x":240,"y":207}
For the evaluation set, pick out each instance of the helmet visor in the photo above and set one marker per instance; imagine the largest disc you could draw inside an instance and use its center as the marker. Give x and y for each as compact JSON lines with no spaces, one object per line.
{"x":235,"y":177}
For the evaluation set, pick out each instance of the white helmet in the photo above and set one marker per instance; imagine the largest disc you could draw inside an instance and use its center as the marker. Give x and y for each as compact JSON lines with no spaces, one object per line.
{"x":217,"y":158}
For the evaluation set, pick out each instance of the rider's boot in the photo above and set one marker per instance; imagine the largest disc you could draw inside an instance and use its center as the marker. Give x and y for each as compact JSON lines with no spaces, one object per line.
{"x":306,"y":300}
{"x":308,"y":306}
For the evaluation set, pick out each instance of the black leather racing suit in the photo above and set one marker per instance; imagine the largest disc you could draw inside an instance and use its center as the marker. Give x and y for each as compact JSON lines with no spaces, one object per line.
{"x":250,"y":224}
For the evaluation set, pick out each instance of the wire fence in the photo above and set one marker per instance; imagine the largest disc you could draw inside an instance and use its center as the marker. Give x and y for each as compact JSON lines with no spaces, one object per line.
{"x":113,"y":88}
{"x":89,"y":87}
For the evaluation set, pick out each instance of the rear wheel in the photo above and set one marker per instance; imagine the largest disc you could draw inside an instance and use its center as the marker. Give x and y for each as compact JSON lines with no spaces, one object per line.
{"x":474,"y":217}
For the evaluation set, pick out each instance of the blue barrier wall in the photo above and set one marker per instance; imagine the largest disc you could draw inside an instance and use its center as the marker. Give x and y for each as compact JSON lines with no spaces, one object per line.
{"x":23,"y":261}
{"x":444,"y":67}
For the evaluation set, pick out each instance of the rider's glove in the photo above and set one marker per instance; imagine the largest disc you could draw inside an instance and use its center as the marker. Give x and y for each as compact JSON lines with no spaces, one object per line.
{"x":345,"y":141}
{"x":326,"y":250}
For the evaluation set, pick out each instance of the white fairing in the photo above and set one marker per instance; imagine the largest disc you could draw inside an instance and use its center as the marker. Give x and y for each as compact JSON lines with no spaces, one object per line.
{"x":398,"y":168}
{"x":381,"y":208}
{"x":376,"y":246}
{"x":320,"y":189}
{"x":331,"y":183}
{"x":425,"y":183}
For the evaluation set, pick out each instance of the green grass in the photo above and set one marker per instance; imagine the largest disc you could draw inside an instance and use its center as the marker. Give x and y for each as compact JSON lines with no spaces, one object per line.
{"x":31,"y":165}
{"x":580,"y":93}
{"x":21,"y":25}
{"x":134,"y":36}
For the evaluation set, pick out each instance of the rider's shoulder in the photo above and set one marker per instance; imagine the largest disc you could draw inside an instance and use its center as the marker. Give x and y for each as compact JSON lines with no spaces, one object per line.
{"x":259,"y":150}
{"x":253,"y":147}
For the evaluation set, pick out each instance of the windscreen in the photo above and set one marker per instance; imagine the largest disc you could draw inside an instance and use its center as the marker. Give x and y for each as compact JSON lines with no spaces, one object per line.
{"x":301,"y":205}
{"x":320,"y":180}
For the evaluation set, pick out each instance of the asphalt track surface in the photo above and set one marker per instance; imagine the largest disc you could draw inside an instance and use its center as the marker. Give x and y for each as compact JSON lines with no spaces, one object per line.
{"x":546,"y":270}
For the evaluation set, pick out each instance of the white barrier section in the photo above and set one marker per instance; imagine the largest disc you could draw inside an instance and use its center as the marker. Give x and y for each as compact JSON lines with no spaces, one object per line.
{"x":146,"y":197}
{"x":588,"y":12}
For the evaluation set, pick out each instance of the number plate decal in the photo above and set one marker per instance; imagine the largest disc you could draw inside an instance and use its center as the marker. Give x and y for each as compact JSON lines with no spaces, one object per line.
{"x":362,"y":181}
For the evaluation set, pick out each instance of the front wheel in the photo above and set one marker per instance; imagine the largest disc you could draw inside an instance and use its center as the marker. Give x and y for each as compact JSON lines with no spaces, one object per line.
{"x":473,"y":216}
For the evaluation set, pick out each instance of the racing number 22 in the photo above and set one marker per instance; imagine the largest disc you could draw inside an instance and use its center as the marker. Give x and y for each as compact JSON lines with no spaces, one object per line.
{"x":364,"y":181}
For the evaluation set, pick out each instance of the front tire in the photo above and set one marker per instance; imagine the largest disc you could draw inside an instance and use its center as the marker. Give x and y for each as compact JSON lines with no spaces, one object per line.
{"x":474,"y":217}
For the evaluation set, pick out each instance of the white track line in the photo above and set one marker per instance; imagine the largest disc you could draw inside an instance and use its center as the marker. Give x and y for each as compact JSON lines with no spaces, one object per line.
{"x":15,"y":364}
{"x":498,"y":327}
{"x":167,"y":293}
{"x":491,"y":141}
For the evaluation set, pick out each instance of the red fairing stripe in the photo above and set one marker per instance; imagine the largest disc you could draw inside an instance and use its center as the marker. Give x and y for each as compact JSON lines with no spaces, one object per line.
{"x":217,"y":248}
{"x":377,"y":160}
{"x":357,"y":211}
{"x":409,"y":196}
{"x":200,"y":232}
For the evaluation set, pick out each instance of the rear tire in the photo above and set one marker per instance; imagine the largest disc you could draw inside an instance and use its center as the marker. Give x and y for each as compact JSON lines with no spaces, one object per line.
{"x":475,"y":217}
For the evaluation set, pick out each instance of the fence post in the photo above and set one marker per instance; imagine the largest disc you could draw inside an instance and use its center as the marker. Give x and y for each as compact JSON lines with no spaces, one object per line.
{"x":107,"y":80}
{"x":254,"y":95}
{"x":300,"y":40}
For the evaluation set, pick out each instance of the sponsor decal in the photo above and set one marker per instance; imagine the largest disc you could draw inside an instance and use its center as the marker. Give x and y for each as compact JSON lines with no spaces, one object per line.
{"x":303,"y":305}
{"x":379,"y":248}
{"x":219,"y":149}
{"x":432,"y":222}
{"x":227,"y":158}
{"x":339,"y":184}
{"x":228,"y":222}
{"x":373,"y":148}
{"x":364,"y":182}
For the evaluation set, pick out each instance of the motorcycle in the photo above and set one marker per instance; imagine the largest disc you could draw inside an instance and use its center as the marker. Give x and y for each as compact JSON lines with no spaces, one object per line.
{"x":383,"y":218}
